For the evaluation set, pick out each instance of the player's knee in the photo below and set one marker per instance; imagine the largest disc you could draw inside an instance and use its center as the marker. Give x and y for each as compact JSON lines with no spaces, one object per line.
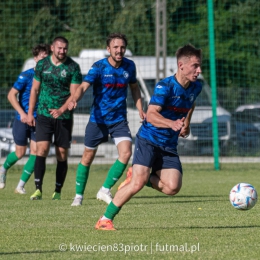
{"x":88,"y":156}
{"x":20,"y":155}
{"x":173,"y":189}
{"x":125,"y":156}
{"x":42,"y":152}
{"x":137,"y":184}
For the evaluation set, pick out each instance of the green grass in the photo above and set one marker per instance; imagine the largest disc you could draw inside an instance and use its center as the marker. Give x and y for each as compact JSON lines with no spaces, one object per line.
{"x":200,"y":214}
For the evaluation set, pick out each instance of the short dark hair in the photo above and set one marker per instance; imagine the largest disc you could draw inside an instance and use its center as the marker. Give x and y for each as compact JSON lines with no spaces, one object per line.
{"x":188,"y":51}
{"x":116,"y":36}
{"x":60,"y":39}
{"x":42,"y":47}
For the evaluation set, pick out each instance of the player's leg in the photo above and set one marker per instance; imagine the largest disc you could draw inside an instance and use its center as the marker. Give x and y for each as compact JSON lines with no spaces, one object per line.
{"x":144,"y":156}
{"x":29,"y":165}
{"x":62,"y":140}
{"x":167,"y":181}
{"x":124,"y":148}
{"x":45,"y":130}
{"x":27,"y":169}
{"x":20,"y":139}
{"x":40,"y":167}
{"x":61,"y":171}
{"x":94,"y":135}
{"x":166,"y":174}
{"x":139,"y":179}
{"x":121,"y":136}
{"x":82,"y":175}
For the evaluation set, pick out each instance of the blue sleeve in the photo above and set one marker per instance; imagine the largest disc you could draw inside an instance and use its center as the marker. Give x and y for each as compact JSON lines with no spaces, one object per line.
{"x":133,"y":75}
{"x":160,"y":94}
{"x":92,"y":75}
{"x":21,"y":82}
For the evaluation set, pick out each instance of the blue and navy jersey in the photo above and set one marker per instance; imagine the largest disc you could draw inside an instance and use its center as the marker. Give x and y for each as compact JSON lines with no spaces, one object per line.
{"x":24,"y":84}
{"x":175,"y":102}
{"x":110,"y":90}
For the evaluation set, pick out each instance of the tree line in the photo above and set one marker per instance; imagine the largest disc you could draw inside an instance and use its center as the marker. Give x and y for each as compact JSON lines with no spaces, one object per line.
{"x":87,"y":23}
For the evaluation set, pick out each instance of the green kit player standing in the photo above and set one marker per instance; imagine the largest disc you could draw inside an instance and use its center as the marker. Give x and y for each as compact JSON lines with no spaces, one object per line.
{"x":56,"y":79}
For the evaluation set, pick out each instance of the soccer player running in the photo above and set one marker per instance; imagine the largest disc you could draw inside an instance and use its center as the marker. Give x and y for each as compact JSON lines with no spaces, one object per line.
{"x":56,"y":80}
{"x":19,"y":96}
{"x":110,"y":78}
{"x":156,"y":163}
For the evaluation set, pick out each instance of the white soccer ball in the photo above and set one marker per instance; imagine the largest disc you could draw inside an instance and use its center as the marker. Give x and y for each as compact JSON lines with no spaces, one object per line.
{"x":243,"y":196}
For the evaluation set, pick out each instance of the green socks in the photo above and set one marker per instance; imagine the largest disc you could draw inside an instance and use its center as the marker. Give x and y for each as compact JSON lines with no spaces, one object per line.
{"x":111,"y":211}
{"x":115,"y":172}
{"x":149,"y":184}
{"x":10,"y":160}
{"x":81,"y":178}
{"x":28,"y":168}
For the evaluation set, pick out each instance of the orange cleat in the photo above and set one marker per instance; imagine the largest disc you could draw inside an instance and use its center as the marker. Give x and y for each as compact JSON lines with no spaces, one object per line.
{"x":105,"y":224}
{"x":128,"y":178}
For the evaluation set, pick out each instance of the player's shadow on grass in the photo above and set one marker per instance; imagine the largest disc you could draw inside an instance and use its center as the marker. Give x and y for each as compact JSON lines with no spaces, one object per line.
{"x":175,"y":199}
{"x":222,"y":227}
{"x":192,"y":227}
{"x":30,"y":252}
{"x":178,"y":196}
{"x":163,"y":196}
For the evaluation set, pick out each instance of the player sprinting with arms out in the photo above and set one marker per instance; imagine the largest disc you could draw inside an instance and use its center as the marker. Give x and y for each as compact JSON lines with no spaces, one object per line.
{"x":110,"y":78}
{"x":19,"y":96}
{"x":56,"y":80}
{"x":156,"y":162}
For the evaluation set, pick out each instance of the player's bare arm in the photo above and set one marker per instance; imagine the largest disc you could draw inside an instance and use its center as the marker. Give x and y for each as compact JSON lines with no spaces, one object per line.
{"x":154,"y":117}
{"x":58,"y":112}
{"x":72,"y":104}
{"x":136,"y":94}
{"x":12,"y":97}
{"x":185,"y":131}
{"x":32,"y":103}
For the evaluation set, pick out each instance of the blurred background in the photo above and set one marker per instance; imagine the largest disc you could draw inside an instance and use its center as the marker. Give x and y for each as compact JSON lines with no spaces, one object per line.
{"x":155,"y":30}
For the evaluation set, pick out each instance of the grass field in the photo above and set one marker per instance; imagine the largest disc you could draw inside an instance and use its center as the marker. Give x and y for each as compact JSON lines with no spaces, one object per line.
{"x":151,"y":225}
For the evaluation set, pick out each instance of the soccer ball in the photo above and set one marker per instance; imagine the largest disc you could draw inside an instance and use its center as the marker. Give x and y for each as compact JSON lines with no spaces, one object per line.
{"x":243,"y":196}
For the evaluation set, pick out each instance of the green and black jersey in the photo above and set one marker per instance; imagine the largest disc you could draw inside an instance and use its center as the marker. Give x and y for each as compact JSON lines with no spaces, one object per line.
{"x":55,"y":84}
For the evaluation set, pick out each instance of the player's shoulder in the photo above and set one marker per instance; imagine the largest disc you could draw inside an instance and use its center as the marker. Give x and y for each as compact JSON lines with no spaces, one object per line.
{"x":27,"y":73}
{"x":69,"y":61}
{"x":128,"y":61}
{"x":71,"y":65}
{"x":197,"y":84}
{"x":44,"y":61}
{"x":101,"y":63}
{"x":167,"y":82}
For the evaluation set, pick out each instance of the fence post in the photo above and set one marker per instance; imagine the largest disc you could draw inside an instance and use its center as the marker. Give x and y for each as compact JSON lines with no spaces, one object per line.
{"x":213,"y":83}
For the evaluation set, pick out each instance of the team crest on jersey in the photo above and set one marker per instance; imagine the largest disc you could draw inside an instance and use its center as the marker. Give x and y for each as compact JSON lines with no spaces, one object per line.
{"x":126,"y":74}
{"x":191,"y":97}
{"x":63,"y":73}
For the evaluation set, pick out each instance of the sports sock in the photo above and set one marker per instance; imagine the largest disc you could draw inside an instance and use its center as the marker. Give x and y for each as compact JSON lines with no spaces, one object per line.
{"x":114,"y":173}
{"x":10,"y":160}
{"x":20,"y":184}
{"x":149,"y":184}
{"x":28,"y":168}
{"x":111,"y":211}
{"x":81,"y":178}
{"x":61,"y":173}
{"x":39,"y":171}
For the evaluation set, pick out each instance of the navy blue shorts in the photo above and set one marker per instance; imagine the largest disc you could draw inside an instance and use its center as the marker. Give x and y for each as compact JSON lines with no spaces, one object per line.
{"x":22,"y":132}
{"x":56,"y":130}
{"x":96,"y":134}
{"x":155,"y":157}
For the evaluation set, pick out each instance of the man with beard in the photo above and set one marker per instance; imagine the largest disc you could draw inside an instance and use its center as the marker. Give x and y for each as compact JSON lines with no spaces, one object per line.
{"x":56,"y":79}
{"x":110,"y":78}
{"x":156,"y":163}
